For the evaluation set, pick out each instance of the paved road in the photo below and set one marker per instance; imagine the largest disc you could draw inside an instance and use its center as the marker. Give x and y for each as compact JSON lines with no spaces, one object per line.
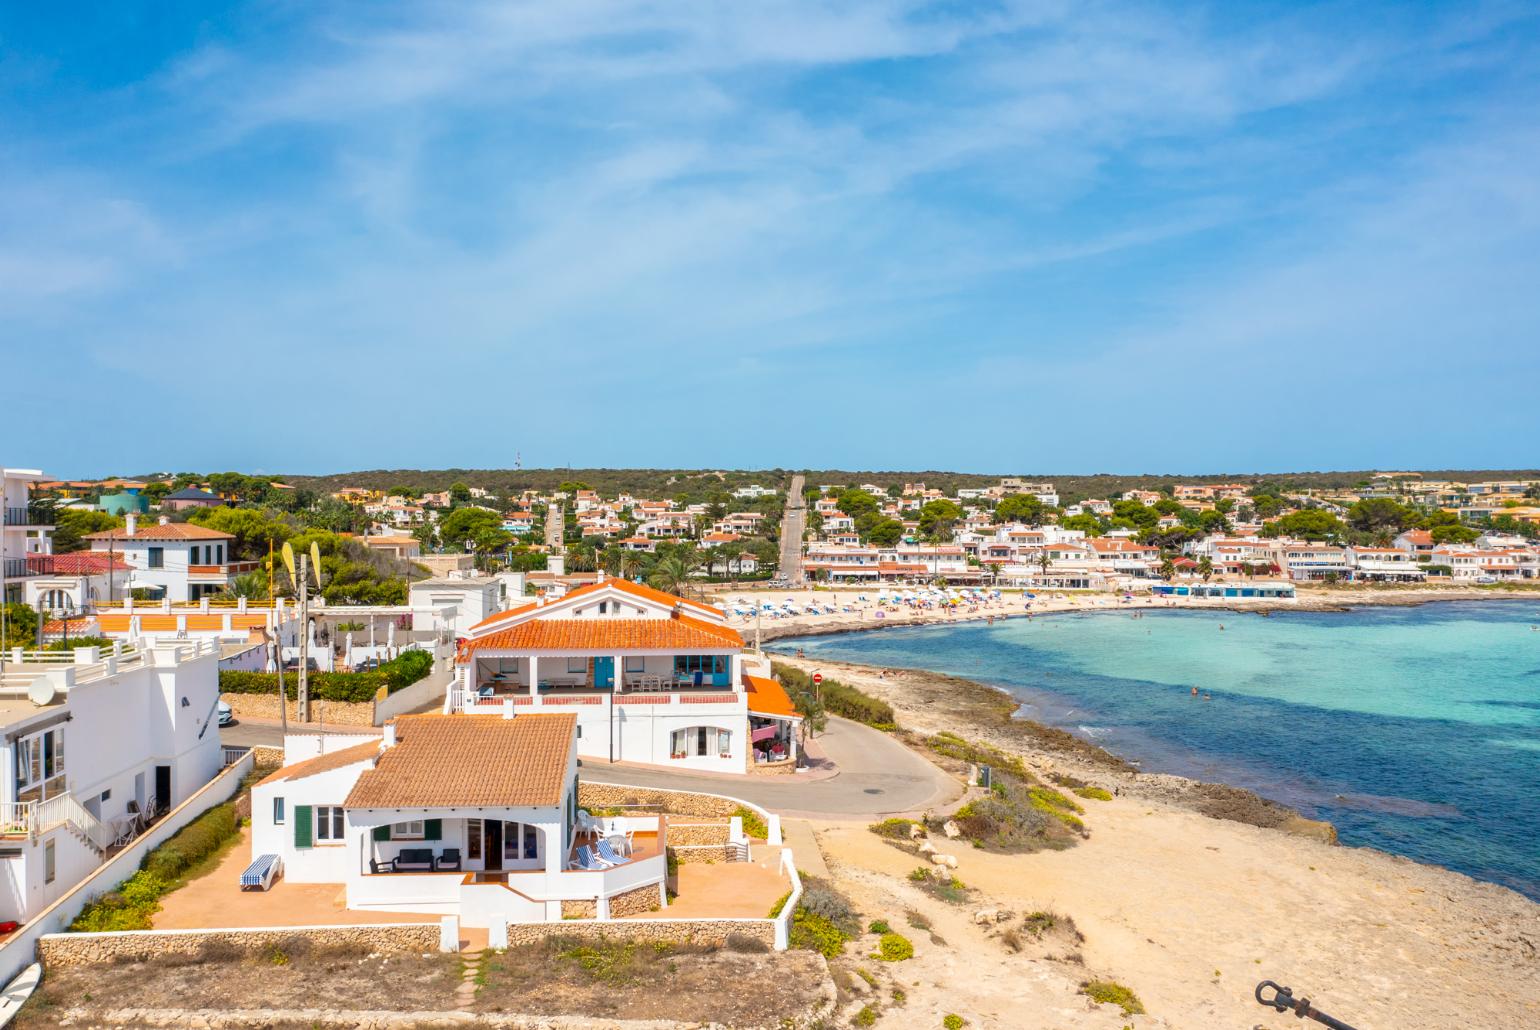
{"x":793,"y":524}
{"x":878,"y":776}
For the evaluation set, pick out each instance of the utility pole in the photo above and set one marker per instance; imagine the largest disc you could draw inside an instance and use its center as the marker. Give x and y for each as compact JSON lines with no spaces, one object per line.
{"x":304,"y":638}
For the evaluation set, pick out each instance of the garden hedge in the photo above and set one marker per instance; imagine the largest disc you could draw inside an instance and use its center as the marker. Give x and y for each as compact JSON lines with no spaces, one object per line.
{"x":355,"y":687}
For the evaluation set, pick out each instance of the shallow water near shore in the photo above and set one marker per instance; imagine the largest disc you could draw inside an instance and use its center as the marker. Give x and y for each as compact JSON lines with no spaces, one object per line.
{"x":1413,"y":730}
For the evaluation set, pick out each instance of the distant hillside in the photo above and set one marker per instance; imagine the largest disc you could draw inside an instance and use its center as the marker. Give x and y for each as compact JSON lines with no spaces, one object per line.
{"x":698,"y":484}
{"x":689,"y":484}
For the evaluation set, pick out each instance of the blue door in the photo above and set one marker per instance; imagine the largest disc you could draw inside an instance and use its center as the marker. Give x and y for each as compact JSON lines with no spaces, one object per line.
{"x":604,"y":672}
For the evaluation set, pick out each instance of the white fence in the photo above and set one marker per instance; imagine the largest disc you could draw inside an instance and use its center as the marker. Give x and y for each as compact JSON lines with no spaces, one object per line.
{"x":18,"y":952}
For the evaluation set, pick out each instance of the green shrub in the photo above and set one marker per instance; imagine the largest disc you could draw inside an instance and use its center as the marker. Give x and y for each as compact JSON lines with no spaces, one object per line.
{"x":824,"y":901}
{"x":1008,"y":819}
{"x":866,"y":1017}
{"x":780,"y":904}
{"x":138,"y":898}
{"x":838,"y":698}
{"x":894,"y":947}
{"x":1094,"y":793}
{"x":351,"y":687}
{"x":952,"y":1021}
{"x":815,"y":933}
{"x":1109,"y":992}
{"x":753,"y":825}
{"x":1046,"y":799}
{"x":105,"y":643}
{"x":953,"y":746}
{"x":879,"y":926}
{"x":893,"y":829}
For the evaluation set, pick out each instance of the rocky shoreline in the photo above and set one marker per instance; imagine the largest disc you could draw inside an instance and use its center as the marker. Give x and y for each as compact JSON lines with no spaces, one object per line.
{"x":931,"y":702}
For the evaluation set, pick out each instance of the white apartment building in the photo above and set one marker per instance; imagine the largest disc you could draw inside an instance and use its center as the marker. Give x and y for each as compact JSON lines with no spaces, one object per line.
{"x":181,"y":561}
{"x":753,"y":492}
{"x":651,"y":677}
{"x":94,"y":744}
{"x":19,"y":537}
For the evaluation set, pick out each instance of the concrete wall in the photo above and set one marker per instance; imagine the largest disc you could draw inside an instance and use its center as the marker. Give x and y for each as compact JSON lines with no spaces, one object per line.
{"x":82,"y":949}
{"x":428,"y":690}
{"x":17,"y":952}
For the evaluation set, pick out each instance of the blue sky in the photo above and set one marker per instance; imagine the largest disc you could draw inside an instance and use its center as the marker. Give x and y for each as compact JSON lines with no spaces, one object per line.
{"x":1039,"y":237}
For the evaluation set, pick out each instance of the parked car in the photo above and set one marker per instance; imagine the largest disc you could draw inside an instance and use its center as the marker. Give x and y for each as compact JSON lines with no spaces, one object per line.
{"x":226,"y":716}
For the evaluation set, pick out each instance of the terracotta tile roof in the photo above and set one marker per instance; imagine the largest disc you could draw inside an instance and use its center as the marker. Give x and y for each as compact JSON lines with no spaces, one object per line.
{"x":768,"y":697}
{"x":598,"y":633}
{"x":623,"y":585}
{"x":76,"y":563}
{"x":170,"y":531}
{"x":443,"y":761}
{"x":326,"y":763}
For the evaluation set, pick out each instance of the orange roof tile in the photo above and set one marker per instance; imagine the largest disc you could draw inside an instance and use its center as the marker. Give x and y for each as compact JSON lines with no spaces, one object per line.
{"x":597,"y":634}
{"x":326,"y":763}
{"x":442,"y":761}
{"x":170,"y":531}
{"x":624,"y":585}
{"x":768,"y":697}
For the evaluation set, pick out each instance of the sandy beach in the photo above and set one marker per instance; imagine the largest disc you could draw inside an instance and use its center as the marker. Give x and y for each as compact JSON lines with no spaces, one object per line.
{"x":1188,"y":893}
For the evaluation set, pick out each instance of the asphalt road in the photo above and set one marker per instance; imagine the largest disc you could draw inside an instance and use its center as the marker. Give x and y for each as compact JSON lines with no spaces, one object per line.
{"x":878,"y":776}
{"x":793,"y":524}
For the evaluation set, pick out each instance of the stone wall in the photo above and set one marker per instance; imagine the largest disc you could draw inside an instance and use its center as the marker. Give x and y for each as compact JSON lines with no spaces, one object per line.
{"x":267,"y":757}
{"x":335,"y":713}
{"x":579,"y":908}
{"x":57,"y":950}
{"x":703,"y":853}
{"x":703,"y":932}
{"x":697,"y":833}
{"x":675,"y":802}
{"x":635,"y":902}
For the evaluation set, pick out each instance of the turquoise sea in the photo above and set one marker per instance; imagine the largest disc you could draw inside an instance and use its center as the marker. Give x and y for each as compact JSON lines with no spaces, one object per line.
{"x":1413,"y":730}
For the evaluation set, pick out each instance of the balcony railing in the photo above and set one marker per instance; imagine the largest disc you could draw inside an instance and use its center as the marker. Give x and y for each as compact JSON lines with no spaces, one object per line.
{"x":20,"y":517}
{"x":16,"y":568}
{"x":234,"y":568}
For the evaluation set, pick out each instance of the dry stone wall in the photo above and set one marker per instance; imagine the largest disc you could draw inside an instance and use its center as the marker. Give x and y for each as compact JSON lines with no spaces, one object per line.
{"x":696,"y":833}
{"x":335,"y":713}
{"x":701,"y":853}
{"x":635,"y":902}
{"x":57,"y":950}
{"x":675,"y":802}
{"x":702,"y":932}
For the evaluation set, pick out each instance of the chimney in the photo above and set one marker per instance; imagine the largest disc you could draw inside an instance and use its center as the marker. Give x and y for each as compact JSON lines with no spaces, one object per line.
{"x":389,"y":740}
{"x":507,"y":708}
{"x":131,"y":521}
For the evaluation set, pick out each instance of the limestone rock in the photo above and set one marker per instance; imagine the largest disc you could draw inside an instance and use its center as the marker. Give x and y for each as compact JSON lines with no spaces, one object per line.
{"x":951,"y":830}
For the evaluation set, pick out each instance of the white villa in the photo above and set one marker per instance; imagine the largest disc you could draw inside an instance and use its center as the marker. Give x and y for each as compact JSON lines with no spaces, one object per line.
{"x":180,"y":561}
{"x":20,"y":539}
{"x":95,"y":743}
{"x":468,"y":815}
{"x":650,"y":677}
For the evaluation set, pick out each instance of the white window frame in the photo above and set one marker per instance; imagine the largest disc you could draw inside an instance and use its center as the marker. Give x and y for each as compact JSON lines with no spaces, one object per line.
{"x":639,"y":659}
{"x":581,"y":662}
{"x":411,"y":829}
{"x":278,"y":811}
{"x":329,"y":825}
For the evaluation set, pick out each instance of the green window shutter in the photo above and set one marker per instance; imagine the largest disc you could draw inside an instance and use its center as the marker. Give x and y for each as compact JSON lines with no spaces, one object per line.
{"x":382,"y":832}
{"x":433,"y":829}
{"x":302,"y":822}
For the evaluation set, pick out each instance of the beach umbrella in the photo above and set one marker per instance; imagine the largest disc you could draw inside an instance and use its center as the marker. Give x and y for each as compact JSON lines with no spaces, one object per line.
{"x":371,"y":633}
{"x":347,"y":655}
{"x":390,"y":634}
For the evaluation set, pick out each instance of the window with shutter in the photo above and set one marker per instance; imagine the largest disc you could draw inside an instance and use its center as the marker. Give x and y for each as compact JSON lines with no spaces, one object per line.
{"x":382,"y":832}
{"x":433,"y":829}
{"x":302,"y":837}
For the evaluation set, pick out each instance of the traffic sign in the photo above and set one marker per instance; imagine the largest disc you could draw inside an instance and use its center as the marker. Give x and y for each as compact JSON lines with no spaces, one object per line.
{"x":817,"y":677}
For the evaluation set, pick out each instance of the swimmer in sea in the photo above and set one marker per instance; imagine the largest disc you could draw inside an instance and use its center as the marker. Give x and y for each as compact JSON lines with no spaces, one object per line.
{"x":1194,"y":691}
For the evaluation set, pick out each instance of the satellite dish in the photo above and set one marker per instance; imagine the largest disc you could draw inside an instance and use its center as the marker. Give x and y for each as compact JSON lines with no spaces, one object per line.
{"x":41,"y":692}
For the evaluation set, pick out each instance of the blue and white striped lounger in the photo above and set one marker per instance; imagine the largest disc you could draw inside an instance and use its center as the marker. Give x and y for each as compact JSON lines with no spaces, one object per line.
{"x":261,"y":872}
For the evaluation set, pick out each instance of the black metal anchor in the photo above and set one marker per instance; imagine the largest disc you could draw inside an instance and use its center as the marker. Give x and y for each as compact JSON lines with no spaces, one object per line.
{"x":1283,"y":1000}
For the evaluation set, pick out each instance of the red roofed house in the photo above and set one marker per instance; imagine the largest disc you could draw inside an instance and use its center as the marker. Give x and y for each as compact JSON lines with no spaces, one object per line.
{"x":72,"y":583}
{"x":652,"y":678}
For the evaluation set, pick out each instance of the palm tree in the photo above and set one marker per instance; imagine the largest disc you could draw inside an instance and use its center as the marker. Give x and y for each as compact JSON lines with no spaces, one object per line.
{"x":250,"y":585}
{"x":672,"y":573}
{"x":1205,"y":567}
{"x":1044,"y":562}
{"x":1167,"y":568}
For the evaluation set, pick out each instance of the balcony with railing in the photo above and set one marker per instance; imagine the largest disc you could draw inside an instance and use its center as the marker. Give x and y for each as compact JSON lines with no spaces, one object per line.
{"x":224,"y":571}
{"x":22,"y":516}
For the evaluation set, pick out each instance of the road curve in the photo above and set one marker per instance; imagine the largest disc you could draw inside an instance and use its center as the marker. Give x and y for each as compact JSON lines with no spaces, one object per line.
{"x":878,"y":776}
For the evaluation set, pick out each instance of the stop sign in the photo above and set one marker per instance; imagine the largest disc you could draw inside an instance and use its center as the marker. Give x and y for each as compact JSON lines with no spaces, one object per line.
{"x":817,"y":677}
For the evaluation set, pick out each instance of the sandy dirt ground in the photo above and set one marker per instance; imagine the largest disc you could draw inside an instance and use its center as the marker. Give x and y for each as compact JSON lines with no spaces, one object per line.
{"x":1191,"y":911}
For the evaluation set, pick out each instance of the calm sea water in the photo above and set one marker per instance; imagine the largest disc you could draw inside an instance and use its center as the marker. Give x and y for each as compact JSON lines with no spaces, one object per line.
{"x":1414,"y":730}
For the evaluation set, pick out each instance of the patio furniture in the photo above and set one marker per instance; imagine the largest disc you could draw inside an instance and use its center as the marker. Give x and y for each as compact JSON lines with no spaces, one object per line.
{"x":621,"y":842}
{"x":377,"y":867}
{"x":608,"y":854}
{"x":261,"y":872}
{"x":415,"y":859}
{"x":448,"y":859}
{"x":587,"y":861}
